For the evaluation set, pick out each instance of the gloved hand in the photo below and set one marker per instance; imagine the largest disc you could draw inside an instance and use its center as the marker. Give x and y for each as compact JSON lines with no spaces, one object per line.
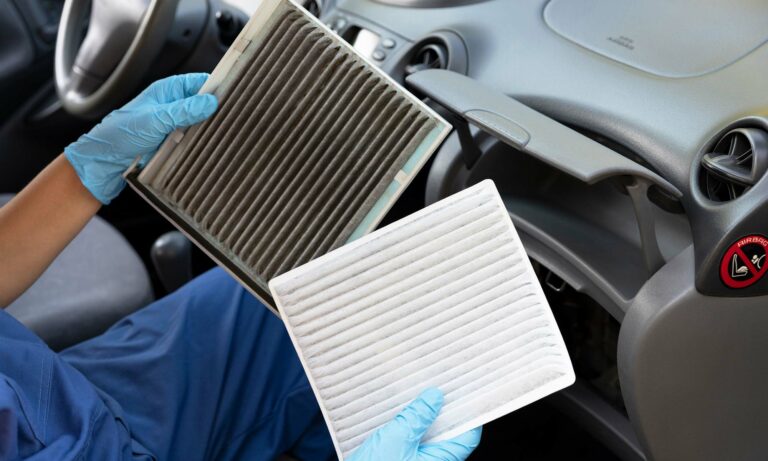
{"x":102,"y":156}
{"x":400,"y":439}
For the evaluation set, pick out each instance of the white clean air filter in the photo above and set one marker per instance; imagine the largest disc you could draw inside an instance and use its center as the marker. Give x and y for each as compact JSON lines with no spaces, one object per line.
{"x":309,"y":149}
{"x":445,"y":297}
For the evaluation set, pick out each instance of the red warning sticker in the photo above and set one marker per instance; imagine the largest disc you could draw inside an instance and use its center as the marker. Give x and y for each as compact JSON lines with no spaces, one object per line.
{"x":744,"y":262}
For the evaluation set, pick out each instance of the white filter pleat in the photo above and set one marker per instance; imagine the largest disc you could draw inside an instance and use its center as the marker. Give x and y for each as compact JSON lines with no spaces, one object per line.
{"x":445,"y":297}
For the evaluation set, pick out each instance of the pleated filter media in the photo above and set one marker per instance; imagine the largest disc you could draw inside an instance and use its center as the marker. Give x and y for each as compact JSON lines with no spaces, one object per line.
{"x":445,"y":297}
{"x":309,"y":149}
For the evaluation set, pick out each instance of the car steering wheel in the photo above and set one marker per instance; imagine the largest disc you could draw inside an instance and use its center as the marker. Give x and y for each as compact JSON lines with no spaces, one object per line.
{"x":124,"y":37}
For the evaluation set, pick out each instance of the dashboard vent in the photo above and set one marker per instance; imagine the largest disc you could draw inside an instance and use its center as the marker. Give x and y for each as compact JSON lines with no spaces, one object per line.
{"x":738,"y":160}
{"x":441,"y":49}
{"x":315,"y":7}
{"x":428,"y":56}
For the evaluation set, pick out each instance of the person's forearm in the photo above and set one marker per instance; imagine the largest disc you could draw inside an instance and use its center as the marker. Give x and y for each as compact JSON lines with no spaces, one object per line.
{"x":38,"y":223}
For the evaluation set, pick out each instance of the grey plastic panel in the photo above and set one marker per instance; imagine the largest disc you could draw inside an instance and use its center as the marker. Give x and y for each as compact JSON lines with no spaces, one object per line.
{"x":693,"y":369}
{"x":528,"y":130}
{"x":664,"y":120}
{"x":655,"y":35}
{"x":599,"y":418}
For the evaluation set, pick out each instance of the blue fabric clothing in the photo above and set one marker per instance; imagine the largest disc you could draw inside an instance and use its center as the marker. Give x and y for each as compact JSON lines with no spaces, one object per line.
{"x":207,"y":373}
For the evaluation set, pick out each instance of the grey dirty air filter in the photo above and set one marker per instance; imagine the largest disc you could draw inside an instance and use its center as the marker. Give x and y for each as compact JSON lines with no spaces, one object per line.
{"x":445,"y":297}
{"x":309,"y":149}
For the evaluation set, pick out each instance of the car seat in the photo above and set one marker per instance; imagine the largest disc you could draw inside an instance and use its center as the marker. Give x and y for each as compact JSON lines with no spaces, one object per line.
{"x":97,"y":280}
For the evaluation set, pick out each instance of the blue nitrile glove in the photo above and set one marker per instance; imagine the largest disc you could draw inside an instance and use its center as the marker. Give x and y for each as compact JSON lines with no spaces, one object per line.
{"x":400,"y":439}
{"x":102,"y":156}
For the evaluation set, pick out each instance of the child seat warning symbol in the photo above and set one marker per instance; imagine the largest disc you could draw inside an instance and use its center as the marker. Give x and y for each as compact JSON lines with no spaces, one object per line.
{"x":744,"y":262}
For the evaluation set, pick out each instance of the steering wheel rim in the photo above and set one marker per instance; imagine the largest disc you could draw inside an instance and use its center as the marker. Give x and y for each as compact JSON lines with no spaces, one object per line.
{"x":136,"y":28}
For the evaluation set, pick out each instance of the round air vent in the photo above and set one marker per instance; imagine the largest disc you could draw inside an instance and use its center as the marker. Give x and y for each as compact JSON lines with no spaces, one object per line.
{"x":738,"y":160}
{"x":313,"y":6}
{"x":428,"y":56}
{"x":439,"y":50}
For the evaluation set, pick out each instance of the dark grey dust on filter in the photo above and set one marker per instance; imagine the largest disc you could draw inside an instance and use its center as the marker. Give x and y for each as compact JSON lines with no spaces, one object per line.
{"x":307,"y":139}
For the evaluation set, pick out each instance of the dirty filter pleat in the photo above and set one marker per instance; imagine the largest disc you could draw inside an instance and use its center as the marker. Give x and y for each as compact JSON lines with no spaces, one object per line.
{"x":308,"y":141}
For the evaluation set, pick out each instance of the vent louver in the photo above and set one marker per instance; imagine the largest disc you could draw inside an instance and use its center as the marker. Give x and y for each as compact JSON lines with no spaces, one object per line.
{"x":440,"y":49}
{"x":738,"y":160}
{"x":428,"y":56}
{"x":310,"y":147}
{"x":315,"y":7}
